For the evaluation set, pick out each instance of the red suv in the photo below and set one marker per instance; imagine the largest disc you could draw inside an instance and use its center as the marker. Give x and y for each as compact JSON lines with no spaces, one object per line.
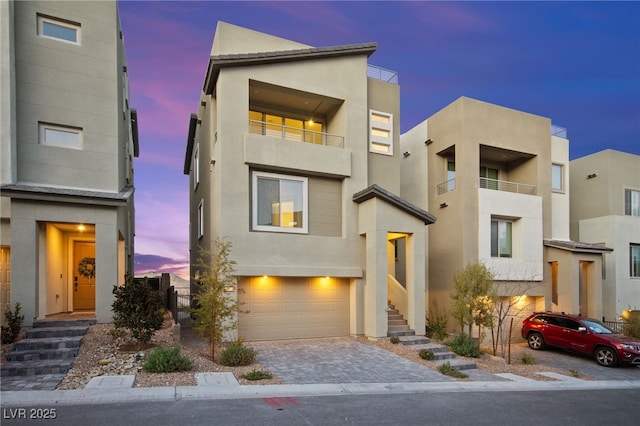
{"x":580,"y":334}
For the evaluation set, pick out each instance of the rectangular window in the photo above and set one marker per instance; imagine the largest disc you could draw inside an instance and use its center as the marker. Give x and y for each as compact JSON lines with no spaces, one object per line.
{"x":554,"y":282}
{"x":196,"y":166}
{"x":451,"y":175}
{"x":631,"y":202}
{"x":488,"y":177}
{"x":380,"y":132}
{"x":201,"y":219}
{"x":279,"y":203}
{"x":634,"y":260}
{"x":557,"y":181}
{"x":60,"y":136}
{"x":58,"y":29}
{"x":501,"y":238}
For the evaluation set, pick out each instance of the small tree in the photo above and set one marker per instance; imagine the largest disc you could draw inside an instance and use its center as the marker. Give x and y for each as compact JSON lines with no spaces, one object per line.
{"x":215,"y":310}
{"x":473,"y":290}
{"x":138,"y":308}
{"x":14,"y":324}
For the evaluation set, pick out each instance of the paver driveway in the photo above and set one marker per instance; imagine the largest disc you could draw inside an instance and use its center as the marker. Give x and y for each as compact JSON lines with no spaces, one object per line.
{"x":339,"y":360}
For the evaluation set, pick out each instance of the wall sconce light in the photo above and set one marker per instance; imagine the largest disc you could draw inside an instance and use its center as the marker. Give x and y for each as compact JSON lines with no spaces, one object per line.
{"x":443,"y":205}
{"x":592,"y":175}
{"x":229,"y":289}
{"x":428,"y":142}
{"x":203,"y":103}
{"x":406,"y":153}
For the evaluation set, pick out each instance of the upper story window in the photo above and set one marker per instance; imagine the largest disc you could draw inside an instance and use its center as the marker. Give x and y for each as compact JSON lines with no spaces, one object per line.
{"x":58,"y":29}
{"x":201,"y":219}
{"x":488,"y":177}
{"x":279,"y":203}
{"x":557,"y":180}
{"x":60,"y":136}
{"x":380,"y":132}
{"x":501,"y":238}
{"x":631,"y":202}
{"x":196,"y":166}
{"x":634,"y":260}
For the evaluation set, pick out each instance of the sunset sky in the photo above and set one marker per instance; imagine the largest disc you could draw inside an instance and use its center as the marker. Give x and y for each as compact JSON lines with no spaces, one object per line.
{"x":577,"y":63}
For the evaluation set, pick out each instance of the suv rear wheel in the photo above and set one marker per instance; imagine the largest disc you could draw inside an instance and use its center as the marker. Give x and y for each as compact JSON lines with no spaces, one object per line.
{"x":606,"y":356}
{"x":536,"y":341}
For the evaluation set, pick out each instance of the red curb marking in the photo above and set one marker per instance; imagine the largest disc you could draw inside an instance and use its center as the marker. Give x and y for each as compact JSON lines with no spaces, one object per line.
{"x":280,"y":402}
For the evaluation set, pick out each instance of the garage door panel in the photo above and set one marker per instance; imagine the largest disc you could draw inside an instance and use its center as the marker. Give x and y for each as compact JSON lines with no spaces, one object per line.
{"x":290,"y":308}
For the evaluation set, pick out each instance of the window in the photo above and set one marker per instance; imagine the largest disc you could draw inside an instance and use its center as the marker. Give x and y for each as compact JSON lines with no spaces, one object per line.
{"x":201,"y":219}
{"x":500,"y":238}
{"x":58,"y":29}
{"x":557,"y":181}
{"x":488,"y":177}
{"x":279,"y":203}
{"x":60,"y":136}
{"x":380,"y":132}
{"x":554,"y":282}
{"x":451,"y":175}
{"x":631,"y":202}
{"x":634,"y":260}
{"x":196,"y":166}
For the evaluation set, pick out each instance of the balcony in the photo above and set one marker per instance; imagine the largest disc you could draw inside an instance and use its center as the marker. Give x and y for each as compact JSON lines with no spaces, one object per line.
{"x":561,"y":132}
{"x":295,"y":134}
{"x":382,"y":74}
{"x":502,"y":185}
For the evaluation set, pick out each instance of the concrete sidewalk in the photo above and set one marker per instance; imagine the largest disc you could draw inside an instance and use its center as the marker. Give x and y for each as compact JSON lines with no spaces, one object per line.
{"x":225,"y":391}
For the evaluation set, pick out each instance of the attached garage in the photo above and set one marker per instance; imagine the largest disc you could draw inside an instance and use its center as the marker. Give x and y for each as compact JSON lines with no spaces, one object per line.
{"x":293,"y":308}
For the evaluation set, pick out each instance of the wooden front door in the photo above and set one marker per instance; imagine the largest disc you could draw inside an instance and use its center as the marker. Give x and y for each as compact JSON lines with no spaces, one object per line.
{"x":84,"y":287}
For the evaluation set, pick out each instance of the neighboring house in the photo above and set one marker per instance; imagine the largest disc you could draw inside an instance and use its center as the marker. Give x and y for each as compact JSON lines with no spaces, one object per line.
{"x":605,"y":209}
{"x":497,"y":179}
{"x":68,"y":138}
{"x":294,"y":158}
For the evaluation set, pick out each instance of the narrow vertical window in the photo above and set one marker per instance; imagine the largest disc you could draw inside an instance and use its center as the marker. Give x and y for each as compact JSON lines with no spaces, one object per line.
{"x":501,"y":240}
{"x":557,"y":181}
{"x":196,"y":166}
{"x":451,"y":175}
{"x":201,"y":219}
{"x":634,"y":260}
{"x":554,"y":282}
{"x":380,"y":132}
{"x":631,"y":202}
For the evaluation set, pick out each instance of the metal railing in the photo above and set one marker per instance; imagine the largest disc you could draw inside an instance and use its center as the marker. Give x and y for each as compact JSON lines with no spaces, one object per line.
{"x":503,"y":185}
{"x":382,"y":74}
{"x":447,"y":186}
{"x":297,"y":134}
{"x":616,"y":326}
{"x":558,"y":131}
{"x":179,"y":306}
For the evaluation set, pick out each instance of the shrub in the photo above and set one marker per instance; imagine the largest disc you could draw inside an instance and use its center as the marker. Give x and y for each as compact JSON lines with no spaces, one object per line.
{"x":395,"y":340}
{"x":437,"y":323}
{"x":528,"y":359}
{"x":236,"y":354}
{"x":448,"y":370}
{"x":427,"y":354}
{"x":632,"y":326}
{"x":574,"y":373}
{"x":167,"y":360}
{"x":464,"y":345}
{"x":257,"y":375}
{"x":14,"y":324}
{"x":139,"y":308}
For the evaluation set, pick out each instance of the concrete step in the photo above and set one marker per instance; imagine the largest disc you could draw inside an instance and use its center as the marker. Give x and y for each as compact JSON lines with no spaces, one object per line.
{"x":394,"y":317}
{"x":414,"y":340}
{"x":433,"y":347}
{"x":444,"y":356}
{"x":395,"y":322}
{"x":399,"y":333}
{"x":458,"y":364}
{"x":42,"y":354}
{"x":35,"y":368}
{"x":45,"y":332}
{"x":47,"y":343}
{"x":63,"y":323}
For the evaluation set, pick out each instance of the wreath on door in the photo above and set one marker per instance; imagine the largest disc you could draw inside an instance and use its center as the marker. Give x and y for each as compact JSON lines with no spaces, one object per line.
{"x":87,"y":267}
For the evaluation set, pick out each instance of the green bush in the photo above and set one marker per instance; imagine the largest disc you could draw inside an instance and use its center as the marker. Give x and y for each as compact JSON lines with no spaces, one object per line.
{"x":464,"y":345}
{"x":395,"y":340}
{"x":167,"y":360}
{"x":448,"y":370}
{"x":427,"y":354}
{"x":528,"y":359}
{"x":14,"y":324}
{"x":257,"y":375}
{"x":437,"y":323}
{"x":632,"y":326}
{"x":236,"y":354}
{"x":138,"y":308}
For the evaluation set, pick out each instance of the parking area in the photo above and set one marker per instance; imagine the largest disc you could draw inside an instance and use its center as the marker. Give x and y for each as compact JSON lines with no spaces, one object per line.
{"x":570,"y":361}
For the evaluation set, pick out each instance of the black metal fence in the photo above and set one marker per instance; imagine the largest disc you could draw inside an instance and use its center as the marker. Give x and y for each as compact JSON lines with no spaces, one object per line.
{"x":178,"y":305}
{"x":616,"y":326}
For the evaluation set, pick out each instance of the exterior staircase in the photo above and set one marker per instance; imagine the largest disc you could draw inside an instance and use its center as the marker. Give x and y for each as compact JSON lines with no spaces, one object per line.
{"x":49,"y":348}
{"x":398,"y":326}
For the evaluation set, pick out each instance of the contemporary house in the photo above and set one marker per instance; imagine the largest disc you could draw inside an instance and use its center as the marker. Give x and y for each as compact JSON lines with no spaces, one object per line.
{"x":613,"y":179}
{"x":68,"y":139}
{"x":497,"y":179}
{"x":294,"y":158}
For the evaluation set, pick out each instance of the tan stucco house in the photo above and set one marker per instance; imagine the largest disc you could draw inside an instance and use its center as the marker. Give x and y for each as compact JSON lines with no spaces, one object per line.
{"x":68,"y":137}
{"x":294,"y":158}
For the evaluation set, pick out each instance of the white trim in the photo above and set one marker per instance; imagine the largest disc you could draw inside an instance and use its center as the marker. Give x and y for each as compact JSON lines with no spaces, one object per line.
{"x":47,"y":136}
{"x":200,"y":229}
{"x":196,"y":166}
{"x":42,"y":20}
{"x":304,"y":229}
{"x":380,"y":132}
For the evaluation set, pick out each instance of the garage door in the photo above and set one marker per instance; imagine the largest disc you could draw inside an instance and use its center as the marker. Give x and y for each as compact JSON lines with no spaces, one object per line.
{"x":293,"y":308}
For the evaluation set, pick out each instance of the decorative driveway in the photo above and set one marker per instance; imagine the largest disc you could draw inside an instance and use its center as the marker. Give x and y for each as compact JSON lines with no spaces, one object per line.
{"x":339,"y":360}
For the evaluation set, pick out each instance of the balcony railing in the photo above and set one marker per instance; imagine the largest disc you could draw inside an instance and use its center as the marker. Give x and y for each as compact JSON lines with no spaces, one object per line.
{"x":561,"y":132}
{"x":502,"y":185}
{"x":294,"y":134}
{"x":382,"y":74}
{"x":447,"y":186}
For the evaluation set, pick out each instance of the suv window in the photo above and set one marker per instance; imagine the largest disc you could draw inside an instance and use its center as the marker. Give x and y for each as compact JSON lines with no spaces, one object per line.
{"x":569,"y":323}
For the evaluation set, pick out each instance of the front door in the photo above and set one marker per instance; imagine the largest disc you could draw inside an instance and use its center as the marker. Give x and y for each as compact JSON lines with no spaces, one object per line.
{"x":84,"y":280}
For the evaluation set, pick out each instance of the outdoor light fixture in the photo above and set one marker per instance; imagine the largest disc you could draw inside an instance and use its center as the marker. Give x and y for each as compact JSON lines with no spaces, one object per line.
{"x":428,"y":142}
{"x":229,"y":289}
{"x":406,"y":153}
{"x":81,"y":228}
{"x":592,"y":175}
{"x":443,"y":205}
